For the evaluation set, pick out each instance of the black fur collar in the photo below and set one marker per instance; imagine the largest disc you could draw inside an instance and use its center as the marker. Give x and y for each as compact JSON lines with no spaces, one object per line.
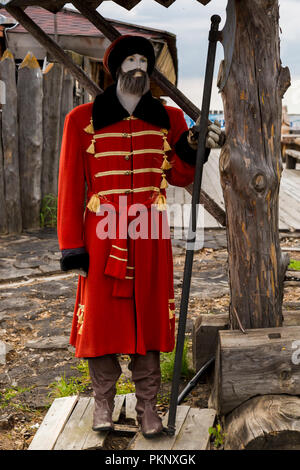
{"x":107,"y":110}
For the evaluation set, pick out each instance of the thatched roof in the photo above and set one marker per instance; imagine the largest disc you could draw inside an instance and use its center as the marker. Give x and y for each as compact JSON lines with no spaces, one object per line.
{"x":56,"y":5}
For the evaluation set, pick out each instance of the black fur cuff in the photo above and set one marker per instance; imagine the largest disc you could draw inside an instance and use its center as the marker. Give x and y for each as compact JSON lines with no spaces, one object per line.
{"x":185,"y":152}
{"x":74,"y":260}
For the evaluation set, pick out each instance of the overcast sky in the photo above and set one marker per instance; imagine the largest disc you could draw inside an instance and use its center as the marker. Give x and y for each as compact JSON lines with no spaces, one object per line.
{"x":190,"y":21}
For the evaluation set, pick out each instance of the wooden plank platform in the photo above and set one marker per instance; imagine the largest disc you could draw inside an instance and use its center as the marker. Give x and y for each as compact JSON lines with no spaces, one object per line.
{"x":192,"y":425}
{"x":289,"y":195}
{"x":68,"y":426}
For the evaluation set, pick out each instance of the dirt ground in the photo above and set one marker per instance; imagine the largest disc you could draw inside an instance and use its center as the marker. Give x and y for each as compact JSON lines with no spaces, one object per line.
{"x":36,"y":311}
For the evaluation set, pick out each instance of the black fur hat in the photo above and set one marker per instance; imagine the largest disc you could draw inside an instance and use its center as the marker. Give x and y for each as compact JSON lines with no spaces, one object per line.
{"x":125,"y":46}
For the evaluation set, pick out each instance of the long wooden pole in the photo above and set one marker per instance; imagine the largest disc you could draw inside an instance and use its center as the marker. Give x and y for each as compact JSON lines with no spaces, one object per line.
{"x":54,"y":49}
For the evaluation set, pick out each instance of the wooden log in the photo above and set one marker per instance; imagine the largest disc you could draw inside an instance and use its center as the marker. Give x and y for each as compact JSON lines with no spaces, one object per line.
{"x":262,"y":361}
{"x":10,"y":138}
{"x":251,"y":166}
{"x":271,"y":422}
{"x":205,"y":337}
{"x":30,"y":109}
{"x":52,"y":90}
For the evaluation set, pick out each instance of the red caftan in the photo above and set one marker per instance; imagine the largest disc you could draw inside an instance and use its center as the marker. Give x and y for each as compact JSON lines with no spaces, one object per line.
{"x":126,"y":303}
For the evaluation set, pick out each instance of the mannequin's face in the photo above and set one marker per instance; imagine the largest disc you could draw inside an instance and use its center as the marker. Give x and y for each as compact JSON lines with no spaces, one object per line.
{"x":132,"y":75}
{"x":135,"y":62}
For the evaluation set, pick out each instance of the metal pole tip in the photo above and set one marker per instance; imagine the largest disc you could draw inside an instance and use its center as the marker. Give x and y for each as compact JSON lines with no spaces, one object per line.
{"x":216,"y":19}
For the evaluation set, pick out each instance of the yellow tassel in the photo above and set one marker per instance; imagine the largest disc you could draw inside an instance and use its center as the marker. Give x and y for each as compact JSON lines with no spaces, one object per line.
{"x":166,"y":164}
{"x":171,"y":313}
{"x":90,"y":128}
{"x":94,"y":203}
{"x":161,"y":202}
{"x":91,"y":148}
{"x":164,"y":183}
{"x":166,"y":145}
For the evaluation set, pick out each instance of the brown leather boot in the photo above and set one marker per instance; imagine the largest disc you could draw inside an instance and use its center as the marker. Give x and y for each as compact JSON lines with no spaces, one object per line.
{"x":104,"y":373}
{"x":147,"y":377}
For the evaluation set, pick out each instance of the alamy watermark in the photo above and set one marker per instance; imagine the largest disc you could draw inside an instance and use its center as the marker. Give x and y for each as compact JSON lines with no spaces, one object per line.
{"x":140,"y":221}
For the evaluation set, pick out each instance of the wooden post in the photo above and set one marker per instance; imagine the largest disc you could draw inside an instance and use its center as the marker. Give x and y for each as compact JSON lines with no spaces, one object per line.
{"x":67,"y":100}
{"x":52,"y":88}
{"x":250,"y":166}
{"x":10,"y":144}
{"x":3,"y":212}
{"x":30,"y":108}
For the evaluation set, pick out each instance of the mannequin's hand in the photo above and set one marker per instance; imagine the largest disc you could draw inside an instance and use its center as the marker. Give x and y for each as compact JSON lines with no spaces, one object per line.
{"x":215,"y":138}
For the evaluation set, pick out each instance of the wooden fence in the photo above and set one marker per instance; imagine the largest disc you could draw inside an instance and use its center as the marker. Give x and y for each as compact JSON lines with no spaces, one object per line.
{"x":31,"y":126}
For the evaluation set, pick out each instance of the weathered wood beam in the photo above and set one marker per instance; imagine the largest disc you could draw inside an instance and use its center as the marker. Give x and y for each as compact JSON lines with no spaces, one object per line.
{"x":54,"y":49}
{"x":210,"y":205}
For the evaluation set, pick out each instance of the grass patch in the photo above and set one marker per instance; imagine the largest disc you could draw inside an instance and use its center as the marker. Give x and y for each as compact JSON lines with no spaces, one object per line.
{"x":7,"y":397}
{"x":217,"y":435}
{"x":73,"y":385}
{"x":167,"y":364}
{"x":294,"y":264}
{"x":48,"y":213}
{"x":124,"y":386}
{"x":66,"y":387}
